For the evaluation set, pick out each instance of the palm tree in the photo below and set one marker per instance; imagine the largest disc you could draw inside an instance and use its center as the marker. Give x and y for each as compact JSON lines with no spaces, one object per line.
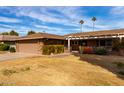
{"x":94,"y":19}
{"x":81,"y":22}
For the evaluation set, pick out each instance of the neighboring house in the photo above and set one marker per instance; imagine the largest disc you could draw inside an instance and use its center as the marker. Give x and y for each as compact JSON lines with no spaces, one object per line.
{"x":94,"y":39}
{"x":33,"y":43}
{"x":8,"y":39}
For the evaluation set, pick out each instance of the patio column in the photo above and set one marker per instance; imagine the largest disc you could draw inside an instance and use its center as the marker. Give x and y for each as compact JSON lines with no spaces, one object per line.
{"x":120,"y":39}
{"x":69,"y":44}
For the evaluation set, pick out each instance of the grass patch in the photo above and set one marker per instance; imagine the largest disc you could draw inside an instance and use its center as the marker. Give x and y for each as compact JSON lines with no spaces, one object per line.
{"x":8,"y":72}
{"x":121,"y":72}
{"x":104,"y":84}
{"x":1,"y":84}
{"x":25,"y":69}
{"x":6,"y":83}
{"x":3,"y":52}
{"x":119,"y":64}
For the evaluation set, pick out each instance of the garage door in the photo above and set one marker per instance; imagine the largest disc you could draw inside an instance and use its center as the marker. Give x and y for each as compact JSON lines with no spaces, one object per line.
{"x":29,"y":46}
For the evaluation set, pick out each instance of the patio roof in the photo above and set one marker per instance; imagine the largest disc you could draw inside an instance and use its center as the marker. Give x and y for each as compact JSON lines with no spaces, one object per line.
{"x":97,"y":34}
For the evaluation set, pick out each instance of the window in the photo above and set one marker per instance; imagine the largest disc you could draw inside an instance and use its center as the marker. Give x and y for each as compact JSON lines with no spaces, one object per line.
{"x":102,"y":42}
{"x":108,"y":42}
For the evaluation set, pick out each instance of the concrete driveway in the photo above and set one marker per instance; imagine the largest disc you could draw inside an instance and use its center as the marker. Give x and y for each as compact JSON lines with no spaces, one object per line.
{"x":10,"y":56}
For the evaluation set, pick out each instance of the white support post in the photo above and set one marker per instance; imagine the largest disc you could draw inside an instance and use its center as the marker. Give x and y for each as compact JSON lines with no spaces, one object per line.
{"x":120,"y":39}
{"x":69,"y":44}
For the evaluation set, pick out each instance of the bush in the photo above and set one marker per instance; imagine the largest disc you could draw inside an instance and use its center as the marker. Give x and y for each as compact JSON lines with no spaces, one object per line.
{"x":55,"y":49}
{"x":85,"y":50}
{"x":12,"y":49}
{"x":4,"y":47}
{"x":117,"y":45}
{"x":100,"y":51}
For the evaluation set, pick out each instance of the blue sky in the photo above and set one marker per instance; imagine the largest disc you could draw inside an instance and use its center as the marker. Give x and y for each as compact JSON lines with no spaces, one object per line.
{"x":59,"y":20}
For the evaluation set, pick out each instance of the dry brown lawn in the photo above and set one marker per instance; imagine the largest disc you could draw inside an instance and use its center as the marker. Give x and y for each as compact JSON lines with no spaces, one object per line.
{"x":3,"y":52}
{"x":69,"y":70}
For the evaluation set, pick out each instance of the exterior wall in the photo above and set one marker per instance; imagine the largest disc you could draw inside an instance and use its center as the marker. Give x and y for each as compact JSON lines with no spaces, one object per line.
{"x":91,"y":43}
{"x":53,"y":42}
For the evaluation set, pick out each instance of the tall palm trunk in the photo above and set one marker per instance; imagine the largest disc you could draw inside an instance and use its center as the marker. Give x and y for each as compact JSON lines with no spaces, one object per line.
{"x":81,"y":27}
{"x":93,"y":25}
{"x":81,"y":22}
{"x":94,"y":19}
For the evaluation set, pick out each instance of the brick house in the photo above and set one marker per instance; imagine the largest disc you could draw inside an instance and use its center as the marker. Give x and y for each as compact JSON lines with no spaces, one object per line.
{"x":33,"y":43}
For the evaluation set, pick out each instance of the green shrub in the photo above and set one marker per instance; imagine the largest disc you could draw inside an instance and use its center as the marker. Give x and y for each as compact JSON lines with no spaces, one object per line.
{"x":4,"y":47}
{"x":55,"y":49}
{"x":12,"y":49}
{"x":100,"y":51}
{"x":118,"y":45}
{"x":119,"y":64}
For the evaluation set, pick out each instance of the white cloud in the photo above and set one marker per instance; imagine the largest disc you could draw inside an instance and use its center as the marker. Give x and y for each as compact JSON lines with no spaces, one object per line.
{"x":119,"y":10}
{"x":11,"y":20}
{"x":68,"y":15}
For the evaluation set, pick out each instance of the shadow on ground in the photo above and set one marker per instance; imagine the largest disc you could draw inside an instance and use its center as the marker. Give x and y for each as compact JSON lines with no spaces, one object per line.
{"x":107,"y":62}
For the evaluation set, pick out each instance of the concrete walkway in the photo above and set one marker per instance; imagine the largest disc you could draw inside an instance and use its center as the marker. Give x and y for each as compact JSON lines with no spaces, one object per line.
{"x":10,"y":56}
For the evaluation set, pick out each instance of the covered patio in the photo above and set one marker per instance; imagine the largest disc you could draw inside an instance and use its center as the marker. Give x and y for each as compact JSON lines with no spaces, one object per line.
{"x":94,"y":39}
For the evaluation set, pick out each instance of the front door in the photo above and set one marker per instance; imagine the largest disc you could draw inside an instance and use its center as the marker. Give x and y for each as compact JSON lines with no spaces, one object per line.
{"x":74,"y":46}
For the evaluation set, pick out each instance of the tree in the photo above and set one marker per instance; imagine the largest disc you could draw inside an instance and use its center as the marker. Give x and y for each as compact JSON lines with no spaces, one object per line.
{"x":30,"y":32}
{"x":81,"y":22}
{"x":94,"y":19}
{"x":13,"y":33}
{"x":5,"y":33}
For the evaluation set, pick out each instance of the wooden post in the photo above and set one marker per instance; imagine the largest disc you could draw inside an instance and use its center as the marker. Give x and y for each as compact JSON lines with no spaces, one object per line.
{"x":99,"y":43}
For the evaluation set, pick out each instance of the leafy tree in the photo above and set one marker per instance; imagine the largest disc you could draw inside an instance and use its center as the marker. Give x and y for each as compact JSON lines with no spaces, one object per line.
{"x":5,"y":33}
{"x":13,"y":33}
{"x":30,"y":32}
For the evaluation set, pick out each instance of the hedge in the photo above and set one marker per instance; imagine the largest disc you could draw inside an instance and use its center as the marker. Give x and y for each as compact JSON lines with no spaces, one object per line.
{"x":4,"y":47}
{"x":101,"y":51}
{"x":55,"y":49}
